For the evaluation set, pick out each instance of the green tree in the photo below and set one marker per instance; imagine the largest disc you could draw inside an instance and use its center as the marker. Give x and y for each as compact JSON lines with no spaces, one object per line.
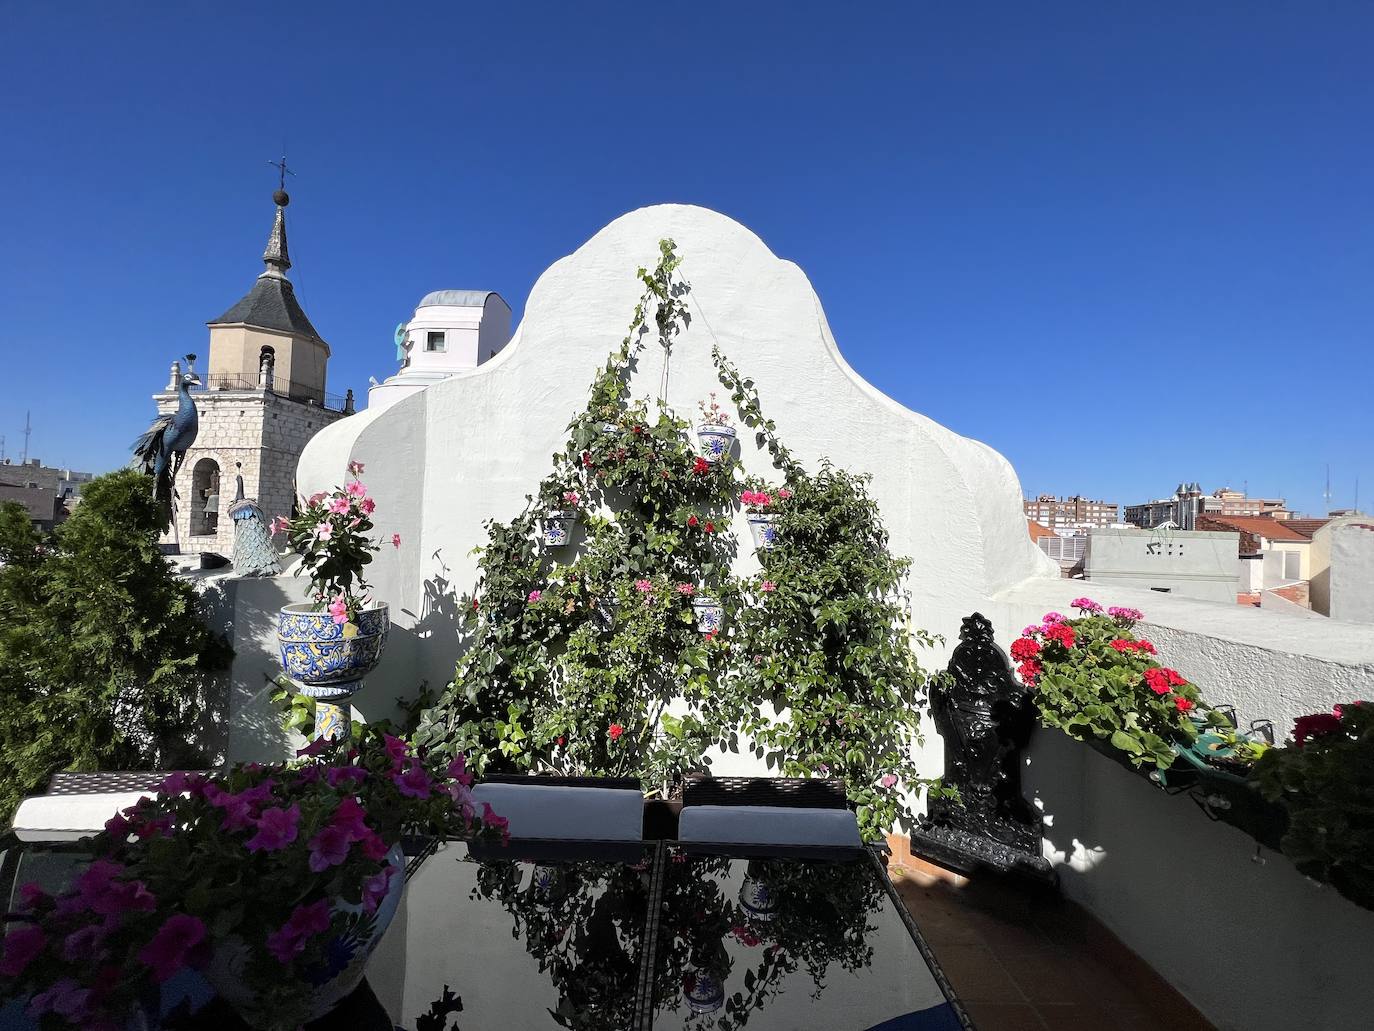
{"x":103,"y":651}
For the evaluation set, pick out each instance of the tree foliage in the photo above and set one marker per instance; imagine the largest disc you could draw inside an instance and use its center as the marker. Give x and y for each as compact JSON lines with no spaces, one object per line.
{"x":103,"y":650}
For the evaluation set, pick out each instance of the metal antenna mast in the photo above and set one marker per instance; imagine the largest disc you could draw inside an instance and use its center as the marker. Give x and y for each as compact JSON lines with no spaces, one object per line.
{"x":28,"y":429}
{"x":1326,"y":494}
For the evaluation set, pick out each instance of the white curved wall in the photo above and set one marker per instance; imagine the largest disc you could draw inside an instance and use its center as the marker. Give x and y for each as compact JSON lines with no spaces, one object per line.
{"x":471,"y":447}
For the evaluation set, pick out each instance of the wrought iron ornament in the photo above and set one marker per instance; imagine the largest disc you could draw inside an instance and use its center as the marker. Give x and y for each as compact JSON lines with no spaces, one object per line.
{"x":985,"y":718}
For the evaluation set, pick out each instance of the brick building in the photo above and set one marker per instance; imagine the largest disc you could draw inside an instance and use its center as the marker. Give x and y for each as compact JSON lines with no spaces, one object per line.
{"x":264,"y":398}
{"x":1072,"y":511}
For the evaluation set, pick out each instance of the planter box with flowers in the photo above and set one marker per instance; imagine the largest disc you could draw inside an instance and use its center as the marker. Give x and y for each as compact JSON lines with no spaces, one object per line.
{"x":327,"y":646}
{"x":1312,"y":800}
{"x":274,"y":882}
{"x":558,"y":520}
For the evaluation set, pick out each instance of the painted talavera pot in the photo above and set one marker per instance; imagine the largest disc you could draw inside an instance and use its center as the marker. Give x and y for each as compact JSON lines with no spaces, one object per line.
{"x":316,"y":652}
{"x":704,"y":992}
{"x":715,"y":441}
{"x":709,"y":612}
{"x":557,"y":528}
{"x":347,"y":957}
{"x":763,"y":528}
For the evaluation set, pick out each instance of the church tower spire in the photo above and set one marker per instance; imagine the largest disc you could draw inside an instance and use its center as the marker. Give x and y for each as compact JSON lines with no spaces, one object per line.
{"x":275,"y":257}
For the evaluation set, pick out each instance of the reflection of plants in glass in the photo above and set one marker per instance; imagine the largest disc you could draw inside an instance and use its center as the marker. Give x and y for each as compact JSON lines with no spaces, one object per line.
{"x":585,"y":929}
{"x":819,"y":916}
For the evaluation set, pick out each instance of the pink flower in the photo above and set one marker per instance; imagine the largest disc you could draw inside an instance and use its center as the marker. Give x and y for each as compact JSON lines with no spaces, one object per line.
{"x":888,"y":781}
{"x":784,"y":493}
{"x":80,"y":945}
{"x":351,"y":818}
{"x":686,"y":589}
{"x":1032,"y":630}
{"x":337,"y":775}
{"x":396,"y":540}
{"x":339,"y":505}
{"x":490,"y":818}
{"x":1316,"y":725}
{"x":1125,"y":615}
{"x":458,"y":770}
{"x":373,"y":847}
{"x":414,"y":783}
{"x":30,"y":894}
{"x":571,"y":497}
{"x":768,"y":586}
{"x":279,"y":525}
{"x":1052,"y":618}
{"x":338,"y":609}
{"x":179,"y":783}
{"x":315,"y":499}
{"x":304,"y":923}
{"x":21,"y":946}
{"x":324,"y":531}
{"x":396,"y":748}
{"x":315,"y":747}
{"x":643,"y":586}
{"x":1086,"y":605}
{"x":355,"y":468}
{"x":123,"y":897}
{"x":356,"y":489}
{"x":375,"y":888}
{"x":368,"y":506}
{"x":166,"y":953}
{"x":329,"y":847}
{"x":277,"y":828}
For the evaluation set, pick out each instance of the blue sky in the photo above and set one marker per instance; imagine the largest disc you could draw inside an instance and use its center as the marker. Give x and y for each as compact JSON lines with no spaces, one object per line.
{"x":1123,"y":243}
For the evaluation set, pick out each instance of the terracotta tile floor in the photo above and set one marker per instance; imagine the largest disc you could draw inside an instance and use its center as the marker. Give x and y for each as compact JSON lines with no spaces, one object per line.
{"x":1033,"y":961}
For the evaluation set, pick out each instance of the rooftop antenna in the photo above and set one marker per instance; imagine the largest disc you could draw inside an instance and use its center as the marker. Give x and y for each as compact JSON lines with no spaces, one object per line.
{"x":1326,"y":494}
{"x":2,"y":449}
{"x":28,"y":429}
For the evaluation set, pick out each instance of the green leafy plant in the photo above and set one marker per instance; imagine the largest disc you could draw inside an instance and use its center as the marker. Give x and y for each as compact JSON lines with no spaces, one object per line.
{"x":592,"y":662}
{"x":105,"y":654}
{"x":1093,"y":678}
{"x":1325,"y":780}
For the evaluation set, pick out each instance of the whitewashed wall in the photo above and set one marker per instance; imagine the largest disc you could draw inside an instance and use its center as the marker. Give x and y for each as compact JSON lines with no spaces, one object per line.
{"x":471,"y":447}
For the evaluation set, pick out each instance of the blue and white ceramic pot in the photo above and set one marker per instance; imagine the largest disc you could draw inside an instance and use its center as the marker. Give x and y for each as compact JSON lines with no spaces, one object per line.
{"x":557,"y":528}
{"x":764,"y":529}
{"x":348,"y":957}
{"x":709,"y":612}
{"x":705,"y":993}
{"x":715,"y":441}
{"x":316,"y":652}
{"x":756,"y":899}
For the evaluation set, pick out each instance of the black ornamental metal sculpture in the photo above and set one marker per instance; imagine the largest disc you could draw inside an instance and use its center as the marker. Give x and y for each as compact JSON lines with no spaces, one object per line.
{"x":160,"y":451}
{"x":985,"y":718}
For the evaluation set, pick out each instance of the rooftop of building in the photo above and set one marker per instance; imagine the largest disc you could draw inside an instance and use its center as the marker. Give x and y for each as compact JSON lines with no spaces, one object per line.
{"x":1259,"y":526}
{"x":459,"y":298}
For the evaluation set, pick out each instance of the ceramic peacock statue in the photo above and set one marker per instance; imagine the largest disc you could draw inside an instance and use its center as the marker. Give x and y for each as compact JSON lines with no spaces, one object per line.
{"x":160,"y":451}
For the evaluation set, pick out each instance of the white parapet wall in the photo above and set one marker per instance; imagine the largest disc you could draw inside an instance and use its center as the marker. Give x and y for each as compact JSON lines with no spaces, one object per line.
{"x":469,"y":448}
{"x":1252,"y":943}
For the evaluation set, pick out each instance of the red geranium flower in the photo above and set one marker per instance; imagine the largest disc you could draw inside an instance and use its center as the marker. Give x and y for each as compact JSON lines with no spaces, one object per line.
{"x":1024,"y":648}
{"x":1182,"y":704}
{"x":1030,"y":670}
{"x":1318,"y":724}
{"x":587,"y":459}
{"x":1061,"y":632}
{"x":710,"y":527}
{"x":615,"y":731}
{"x":1158,"y":680}
{"x":692,"y":521}
{"x":701,"y":467}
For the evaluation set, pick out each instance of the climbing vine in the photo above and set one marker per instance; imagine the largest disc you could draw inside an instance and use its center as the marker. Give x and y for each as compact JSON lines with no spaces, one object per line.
{"x":587,"y":658}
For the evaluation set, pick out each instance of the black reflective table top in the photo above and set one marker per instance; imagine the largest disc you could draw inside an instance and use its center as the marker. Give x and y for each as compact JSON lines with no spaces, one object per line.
{"x":632,"y":937}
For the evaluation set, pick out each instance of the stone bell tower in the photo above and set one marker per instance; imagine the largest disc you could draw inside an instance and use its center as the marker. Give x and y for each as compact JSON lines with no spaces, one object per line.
{"x":263,"y":399}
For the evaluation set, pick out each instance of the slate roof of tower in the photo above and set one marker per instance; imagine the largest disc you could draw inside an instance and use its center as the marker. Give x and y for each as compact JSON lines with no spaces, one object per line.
{"x":271,"y":304}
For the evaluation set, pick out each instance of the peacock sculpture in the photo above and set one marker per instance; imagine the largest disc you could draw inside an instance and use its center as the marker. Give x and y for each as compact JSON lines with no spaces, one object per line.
{"x":160,"y":451}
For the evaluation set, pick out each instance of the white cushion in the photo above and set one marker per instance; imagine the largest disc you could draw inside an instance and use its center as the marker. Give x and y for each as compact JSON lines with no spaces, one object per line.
{"x":768,"y":825}
{"x":549,"y":811}
{"x":68,"y":817}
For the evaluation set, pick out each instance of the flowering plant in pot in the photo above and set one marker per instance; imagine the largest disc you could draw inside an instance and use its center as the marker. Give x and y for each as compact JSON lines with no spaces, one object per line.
{"x":561,"y":504}
{"x":715,"y":435}
{"x":1095,"y":680}
{"x":1323,"y":780}
{"x":339,"y":636}
{"x":762,"y":505}
{"x":274,"y":881}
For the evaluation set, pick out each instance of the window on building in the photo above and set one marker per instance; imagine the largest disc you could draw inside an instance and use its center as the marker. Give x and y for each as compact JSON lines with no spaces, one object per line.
{"x":205,"y":498}
{"x":435,"y":341}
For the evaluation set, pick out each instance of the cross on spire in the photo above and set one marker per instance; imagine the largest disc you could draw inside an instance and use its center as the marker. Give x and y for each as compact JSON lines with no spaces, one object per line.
{"x":282,"y":171}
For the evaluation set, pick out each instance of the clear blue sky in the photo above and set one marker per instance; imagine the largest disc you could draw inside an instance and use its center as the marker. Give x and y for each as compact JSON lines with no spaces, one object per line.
{"x":1123,"y":243}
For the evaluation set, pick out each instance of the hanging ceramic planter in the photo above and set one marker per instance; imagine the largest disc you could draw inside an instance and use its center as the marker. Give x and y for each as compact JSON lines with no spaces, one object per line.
{"x":755,"y":897}
{"x":557,"y":528}
{"x":715,"y":441}
{"x":709,"y":612}
{"x":764,"y":529}
{"x":704,"y":992}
